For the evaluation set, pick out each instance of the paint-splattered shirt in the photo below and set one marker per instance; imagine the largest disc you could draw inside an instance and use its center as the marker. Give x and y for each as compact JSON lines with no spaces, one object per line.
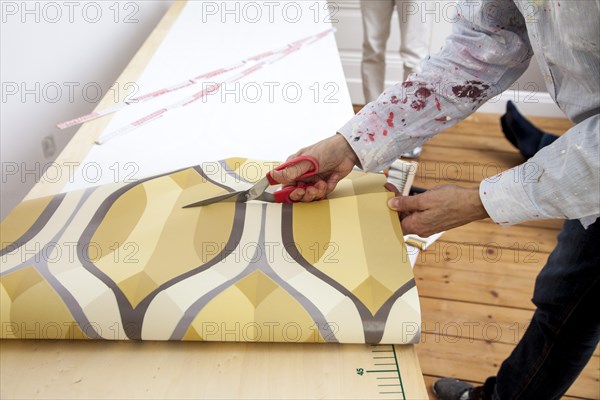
{"x":490,"y":47}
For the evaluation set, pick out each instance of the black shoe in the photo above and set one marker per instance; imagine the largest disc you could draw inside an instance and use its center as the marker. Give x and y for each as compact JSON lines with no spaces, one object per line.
{"x":523,"y":134}
{"x":453,"y":389}
{"x":508,"y":133}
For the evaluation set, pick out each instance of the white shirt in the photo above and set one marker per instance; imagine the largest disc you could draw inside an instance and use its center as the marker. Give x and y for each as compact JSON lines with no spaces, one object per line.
{"x":490,"y":47}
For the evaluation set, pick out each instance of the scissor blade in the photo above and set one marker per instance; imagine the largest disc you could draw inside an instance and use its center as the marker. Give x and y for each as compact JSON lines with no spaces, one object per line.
{"x":267,"y":196}
{"x":256,"y":191}
{"x":227,"y":197}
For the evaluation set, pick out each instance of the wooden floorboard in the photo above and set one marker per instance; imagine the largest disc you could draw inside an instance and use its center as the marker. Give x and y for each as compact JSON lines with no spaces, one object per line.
{"x":475,"y":284}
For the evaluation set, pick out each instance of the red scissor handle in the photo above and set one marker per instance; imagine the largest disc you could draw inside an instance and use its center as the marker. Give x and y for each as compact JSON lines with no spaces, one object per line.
{"x":283,"y":195}
{"x":292,"y":162}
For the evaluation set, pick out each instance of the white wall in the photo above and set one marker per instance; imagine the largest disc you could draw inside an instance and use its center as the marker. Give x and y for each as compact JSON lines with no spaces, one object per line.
{"x":349,"y":37}
{"x":50,"y":52}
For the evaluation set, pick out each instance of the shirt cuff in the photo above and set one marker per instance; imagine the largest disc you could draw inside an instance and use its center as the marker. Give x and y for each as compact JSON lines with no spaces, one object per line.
{"x":506,"y":200}
{"x":375,"y":153}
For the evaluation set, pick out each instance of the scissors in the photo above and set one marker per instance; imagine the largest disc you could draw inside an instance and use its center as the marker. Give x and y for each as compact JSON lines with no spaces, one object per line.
{"x":258,"y":191}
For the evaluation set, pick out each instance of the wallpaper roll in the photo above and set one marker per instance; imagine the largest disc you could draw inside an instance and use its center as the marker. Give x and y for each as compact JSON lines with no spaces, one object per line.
{"x":125,"y":261}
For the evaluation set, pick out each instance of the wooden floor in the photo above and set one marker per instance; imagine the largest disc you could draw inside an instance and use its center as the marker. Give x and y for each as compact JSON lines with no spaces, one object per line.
{"x":476,"y":283}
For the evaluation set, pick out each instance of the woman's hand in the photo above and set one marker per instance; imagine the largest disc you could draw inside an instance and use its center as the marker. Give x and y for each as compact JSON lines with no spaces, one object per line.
{"x":335,"y":158}
{"x":438,"y":209}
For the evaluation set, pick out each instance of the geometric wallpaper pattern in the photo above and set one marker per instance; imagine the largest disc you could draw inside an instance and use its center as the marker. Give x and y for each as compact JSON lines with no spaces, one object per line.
{"x":125,"y":261}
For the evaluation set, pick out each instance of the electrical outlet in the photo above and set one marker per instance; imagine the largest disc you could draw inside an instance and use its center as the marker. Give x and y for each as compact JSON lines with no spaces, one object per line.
{"x":48,"y":146}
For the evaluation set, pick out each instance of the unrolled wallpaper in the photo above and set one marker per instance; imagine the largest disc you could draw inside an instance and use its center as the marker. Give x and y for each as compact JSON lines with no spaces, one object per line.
{"x":125,"y":261}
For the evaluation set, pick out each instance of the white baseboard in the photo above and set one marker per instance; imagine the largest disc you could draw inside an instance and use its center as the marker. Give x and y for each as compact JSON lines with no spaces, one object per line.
{"x":536,"y":104}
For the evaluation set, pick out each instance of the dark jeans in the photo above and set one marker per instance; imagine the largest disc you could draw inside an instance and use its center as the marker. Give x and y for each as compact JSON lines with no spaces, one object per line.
{"x":565,"y":328}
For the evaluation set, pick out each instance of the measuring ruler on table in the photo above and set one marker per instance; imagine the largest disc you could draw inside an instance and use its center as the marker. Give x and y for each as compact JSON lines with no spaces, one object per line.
{"x":382,"y":372}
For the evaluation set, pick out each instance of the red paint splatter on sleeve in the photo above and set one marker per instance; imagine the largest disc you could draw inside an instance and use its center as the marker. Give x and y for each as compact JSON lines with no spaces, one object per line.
{"x":394,"y":100}
{"x":423,"y":92}
{"x":437,"y":104}
{"x":390,"y":120}
{"x":473,"y":90}
{"x":385,"y":132}
{"x":417,"y":105}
